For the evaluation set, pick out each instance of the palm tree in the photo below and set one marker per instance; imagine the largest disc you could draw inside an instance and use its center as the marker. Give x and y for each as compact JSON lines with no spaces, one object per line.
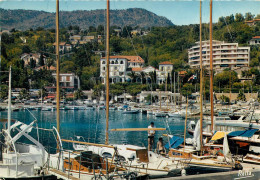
{"x":133,"y":76}
{"x":78,"y":94}
{"x":143,"y":77}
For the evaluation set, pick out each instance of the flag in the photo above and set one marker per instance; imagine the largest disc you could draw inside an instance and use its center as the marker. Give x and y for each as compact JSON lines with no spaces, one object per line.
{"x":192,"y":77}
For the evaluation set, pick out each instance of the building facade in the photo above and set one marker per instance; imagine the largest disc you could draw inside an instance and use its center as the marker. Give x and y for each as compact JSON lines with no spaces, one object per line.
{"x":225,"y":55}
{"x":165,"y":69}
{"x":69,"y":82}
{"x":254,"y":41}
{"x":119,"y":67}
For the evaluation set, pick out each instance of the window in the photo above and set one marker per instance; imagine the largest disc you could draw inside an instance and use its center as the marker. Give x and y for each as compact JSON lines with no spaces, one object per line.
{"x":104,"y":68}
{"x":116,"y":62}
{"x":67,"y":78}
{"x":112,"y":62}
{"x":103,"y":62}
{"x":121,"y":62}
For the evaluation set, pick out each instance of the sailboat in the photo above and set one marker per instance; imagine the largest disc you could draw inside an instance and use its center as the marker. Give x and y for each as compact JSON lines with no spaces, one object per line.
{"x":85,"y":164}
{"x":21,"y":160}
{"x":134,"y":159}
{"x":200,"y":155}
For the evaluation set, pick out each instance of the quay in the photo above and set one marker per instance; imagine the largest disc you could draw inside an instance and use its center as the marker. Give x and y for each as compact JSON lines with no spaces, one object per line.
{"x":248,"y":174}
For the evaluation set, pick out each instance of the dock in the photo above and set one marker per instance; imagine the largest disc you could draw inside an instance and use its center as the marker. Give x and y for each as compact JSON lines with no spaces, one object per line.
{"x":234,"y":175}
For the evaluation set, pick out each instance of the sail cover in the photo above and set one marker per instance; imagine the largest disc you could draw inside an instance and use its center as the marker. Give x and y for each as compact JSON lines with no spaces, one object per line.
{"x":248,"y":133}
{"x":175,"y":141}
{"x":226,"y":150}
{"x":196,"y":136}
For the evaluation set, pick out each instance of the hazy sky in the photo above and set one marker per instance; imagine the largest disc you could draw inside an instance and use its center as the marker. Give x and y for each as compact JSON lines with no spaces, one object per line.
{"x":180,"y":12}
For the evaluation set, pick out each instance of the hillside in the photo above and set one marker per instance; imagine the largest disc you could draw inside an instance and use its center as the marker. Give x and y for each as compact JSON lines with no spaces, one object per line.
{"x":26,"y":19}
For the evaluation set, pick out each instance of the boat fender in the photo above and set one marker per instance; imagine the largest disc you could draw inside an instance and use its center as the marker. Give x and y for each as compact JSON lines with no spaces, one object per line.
{"x":238,"y":166}
{"x":183,"y":172}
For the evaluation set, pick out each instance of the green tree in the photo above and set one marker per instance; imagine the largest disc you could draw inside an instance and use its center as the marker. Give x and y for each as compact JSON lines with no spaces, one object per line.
{"x":241,"y":96}
{"x":26,"y":49}
{"x":41,"y":60}
{"x":3,"y":91}
{"x":239,"y":17}
{"x":249,"y":16}
{"x":224,"y":99}
{"x":23,"y":94}
{"x":187,"y":89}
{"x":78,"y":94}
{"x":133,"y":76}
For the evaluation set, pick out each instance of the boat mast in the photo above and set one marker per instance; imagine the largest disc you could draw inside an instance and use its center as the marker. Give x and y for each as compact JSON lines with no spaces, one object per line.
{"x":57,"y":68}
{"x":9,"y":102}
{"x":107,"y":72}
{"x":174,"y":92}
{"x":201,"y":79}
{"x":211,"y":69}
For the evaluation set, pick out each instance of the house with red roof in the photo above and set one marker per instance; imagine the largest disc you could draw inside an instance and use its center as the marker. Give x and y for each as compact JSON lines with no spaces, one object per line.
{"x":165,"y":69}
{"x":252,"y":22}
{"x":120,"y":67}
{"x":255,"y":41}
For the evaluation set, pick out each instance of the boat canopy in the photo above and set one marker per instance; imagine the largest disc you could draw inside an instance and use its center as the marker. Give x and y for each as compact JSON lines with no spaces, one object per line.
{"x":221,"y":134}
{"x":218,"y":135}
{"x":247,"y":133}
{"x":175,"y":141}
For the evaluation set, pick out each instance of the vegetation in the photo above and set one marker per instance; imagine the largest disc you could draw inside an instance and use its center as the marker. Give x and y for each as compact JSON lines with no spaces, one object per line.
{"x":22,"y":19}
{"x":169,"y":43}
{"x":224,"y":99}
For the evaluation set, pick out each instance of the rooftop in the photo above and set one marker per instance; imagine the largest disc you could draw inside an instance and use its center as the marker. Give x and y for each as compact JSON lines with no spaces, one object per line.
{"x":137,"y":69}
{"x":137,"y":59}
{"x":256,"y":37}
{"x":166,"y":63}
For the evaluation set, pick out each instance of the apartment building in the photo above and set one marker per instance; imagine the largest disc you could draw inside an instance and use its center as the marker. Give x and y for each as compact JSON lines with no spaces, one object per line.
{"x":120,"y":67}
{"x":225,"y":55}
{"x":69,"y":82}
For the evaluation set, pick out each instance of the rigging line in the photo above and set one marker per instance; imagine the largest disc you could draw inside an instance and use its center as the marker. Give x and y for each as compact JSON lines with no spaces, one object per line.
{"x":140,"y":34}
{"x":227,"y":24}
{"x":128,"y":32}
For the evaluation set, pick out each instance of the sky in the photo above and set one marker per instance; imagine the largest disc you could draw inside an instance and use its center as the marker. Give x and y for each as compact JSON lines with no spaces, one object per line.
{"x":180,"y":12}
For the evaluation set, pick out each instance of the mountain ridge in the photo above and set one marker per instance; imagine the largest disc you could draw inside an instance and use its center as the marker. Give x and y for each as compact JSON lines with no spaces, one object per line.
{"x":26,"y":19}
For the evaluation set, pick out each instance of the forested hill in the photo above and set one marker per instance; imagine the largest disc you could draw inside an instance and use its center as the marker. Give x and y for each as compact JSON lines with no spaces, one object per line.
{"x":26,"y":19}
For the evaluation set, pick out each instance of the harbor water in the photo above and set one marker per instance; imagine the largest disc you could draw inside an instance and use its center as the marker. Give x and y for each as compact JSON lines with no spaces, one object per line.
{"x":91,"y":125}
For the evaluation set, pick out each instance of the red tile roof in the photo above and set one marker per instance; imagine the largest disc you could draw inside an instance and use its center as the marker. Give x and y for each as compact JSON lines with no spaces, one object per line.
{"x":137,"y":69}
{"x":137,"y":59}
{"x":256,"y":37}
{"x":182,"y":72}
{"x":52,"y":68}
{"x":61,"y":44}
{"x":165,"y":63}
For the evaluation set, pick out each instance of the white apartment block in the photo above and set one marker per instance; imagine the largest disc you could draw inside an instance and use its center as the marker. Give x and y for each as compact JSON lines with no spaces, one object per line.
{"x":165,"y":69}
{"x":225,"y":55}
{"x":119,"y":67}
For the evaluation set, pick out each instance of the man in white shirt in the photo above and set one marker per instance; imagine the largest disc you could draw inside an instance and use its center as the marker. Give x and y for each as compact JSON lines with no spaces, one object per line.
{"x":151,"y":134}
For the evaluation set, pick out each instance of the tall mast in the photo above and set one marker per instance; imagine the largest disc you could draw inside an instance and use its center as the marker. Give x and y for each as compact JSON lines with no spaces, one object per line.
{"x":211,"y":69}
{"x":57,"y":67}
{"x":107,"y":72}
{"x":9,"y":102}
{"x":201,"y":79}
{"x":174,"y":92}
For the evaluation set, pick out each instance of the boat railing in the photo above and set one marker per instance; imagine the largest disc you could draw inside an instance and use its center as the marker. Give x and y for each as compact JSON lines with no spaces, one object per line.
{"x":97,"y":167}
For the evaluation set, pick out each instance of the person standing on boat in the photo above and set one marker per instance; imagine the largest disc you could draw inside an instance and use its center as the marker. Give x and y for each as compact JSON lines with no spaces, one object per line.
{"x":160,"y":147}
{"x":151,"y":134}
